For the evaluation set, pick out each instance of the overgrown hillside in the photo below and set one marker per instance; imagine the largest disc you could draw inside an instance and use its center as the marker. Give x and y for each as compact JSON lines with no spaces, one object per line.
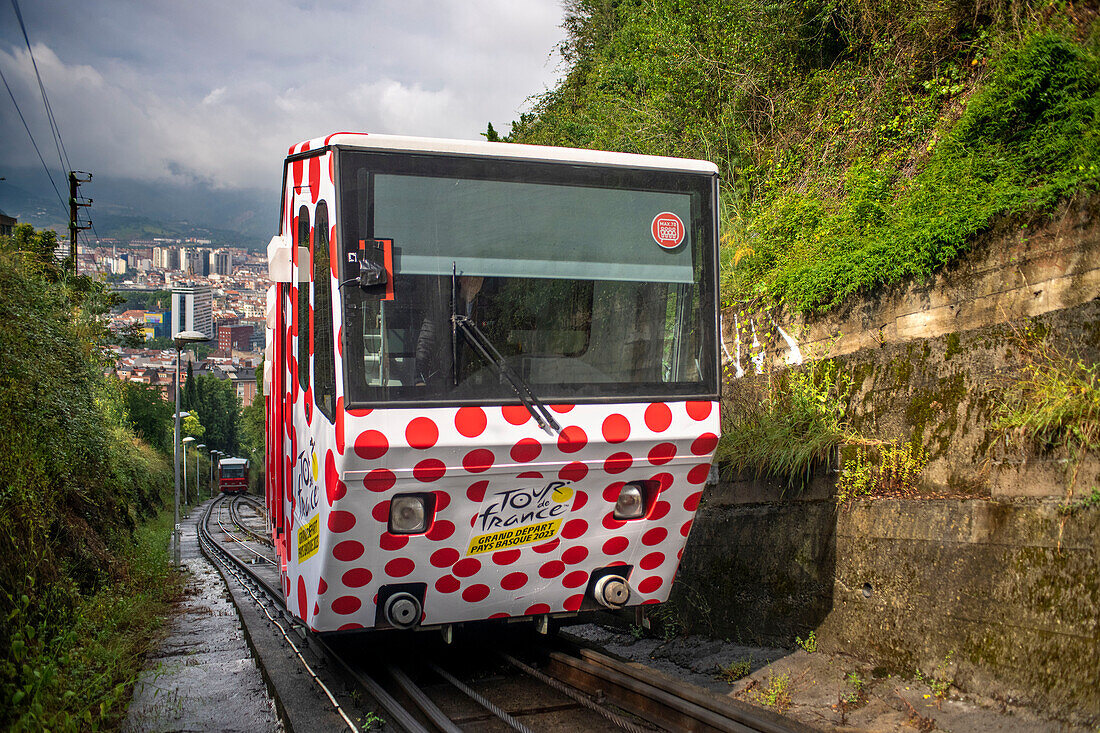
{"x":860,"y":143}
{"x":83,"y":575}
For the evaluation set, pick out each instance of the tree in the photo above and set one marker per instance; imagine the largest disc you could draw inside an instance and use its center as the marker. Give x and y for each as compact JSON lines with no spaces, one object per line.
{"x":217,"y":401}
{"x":150,"y":415}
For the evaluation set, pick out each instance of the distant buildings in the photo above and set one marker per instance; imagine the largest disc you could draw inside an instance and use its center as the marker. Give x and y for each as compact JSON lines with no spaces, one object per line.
{"x":7,"y":224}
{"x":192,"y":309}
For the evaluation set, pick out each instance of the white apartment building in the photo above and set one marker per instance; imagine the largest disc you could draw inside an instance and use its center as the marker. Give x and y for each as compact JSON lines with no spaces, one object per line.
{"x":192,"y":309}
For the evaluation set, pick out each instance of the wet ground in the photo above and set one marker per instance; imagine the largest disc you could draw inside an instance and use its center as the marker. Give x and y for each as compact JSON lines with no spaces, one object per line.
{"x":202,"y":676}
{"x":832,"y":692}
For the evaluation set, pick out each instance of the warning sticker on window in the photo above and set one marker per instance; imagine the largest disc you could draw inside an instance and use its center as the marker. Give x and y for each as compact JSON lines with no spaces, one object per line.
{"x":309,"y":539}
{"x":517,"y":517}
{"x":668,"y":230}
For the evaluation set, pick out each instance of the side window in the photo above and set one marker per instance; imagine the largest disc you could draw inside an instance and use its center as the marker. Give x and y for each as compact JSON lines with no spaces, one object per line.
{"x":303,"y":303}
{"x":324,"y":357}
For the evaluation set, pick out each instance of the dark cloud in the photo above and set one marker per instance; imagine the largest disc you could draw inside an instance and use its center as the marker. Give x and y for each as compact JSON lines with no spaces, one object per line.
{"x":214,"y":93}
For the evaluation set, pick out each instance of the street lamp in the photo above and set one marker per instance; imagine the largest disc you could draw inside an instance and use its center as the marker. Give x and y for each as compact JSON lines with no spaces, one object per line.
{"x":185,"y":441}
{"x":198,"y":482}
{"x":213,"y":464}
{"x":181,"y":338}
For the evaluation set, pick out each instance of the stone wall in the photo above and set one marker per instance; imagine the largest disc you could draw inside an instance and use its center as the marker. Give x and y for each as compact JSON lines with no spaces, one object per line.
{"x":982,"y":572}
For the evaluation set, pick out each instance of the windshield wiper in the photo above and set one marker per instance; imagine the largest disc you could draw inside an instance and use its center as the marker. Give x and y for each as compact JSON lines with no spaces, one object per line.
{"x":484,"y":347}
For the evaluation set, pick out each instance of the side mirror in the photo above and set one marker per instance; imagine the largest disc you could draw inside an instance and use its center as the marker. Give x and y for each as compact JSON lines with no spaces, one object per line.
{"x":372,"y":263}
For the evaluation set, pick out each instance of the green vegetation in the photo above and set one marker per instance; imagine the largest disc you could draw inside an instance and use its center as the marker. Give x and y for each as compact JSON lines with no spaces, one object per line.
{"x":809,"y":644}
{"x":775,"y":694}
{"x":735,"y":670}
{"x":860,"y":144}
{"x":1055,"y":407}
{"x":76,"y":486}
{"x":888,"y":468}
{"x":795,"y":426}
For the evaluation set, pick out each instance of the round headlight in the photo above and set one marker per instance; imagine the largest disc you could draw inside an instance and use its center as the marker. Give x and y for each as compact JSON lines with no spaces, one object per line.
{"x":407,"y":515}
{"x":631,"y":503}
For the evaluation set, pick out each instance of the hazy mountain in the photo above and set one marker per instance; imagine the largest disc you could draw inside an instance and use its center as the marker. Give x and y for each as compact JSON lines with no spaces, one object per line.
{"x":129,"y":209}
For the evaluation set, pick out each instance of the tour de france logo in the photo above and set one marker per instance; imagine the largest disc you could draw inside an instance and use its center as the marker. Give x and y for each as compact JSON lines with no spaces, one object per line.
{"x":668,"y":230}
{"x":518,"y":517}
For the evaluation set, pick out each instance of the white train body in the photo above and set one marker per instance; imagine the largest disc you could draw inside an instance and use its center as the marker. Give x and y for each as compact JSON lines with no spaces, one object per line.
{"x":408,"y":483}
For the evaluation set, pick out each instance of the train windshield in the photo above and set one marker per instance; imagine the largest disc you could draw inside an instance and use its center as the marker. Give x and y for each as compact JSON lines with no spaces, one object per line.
{"x":589,"y":282}
{"x":232,"y":471}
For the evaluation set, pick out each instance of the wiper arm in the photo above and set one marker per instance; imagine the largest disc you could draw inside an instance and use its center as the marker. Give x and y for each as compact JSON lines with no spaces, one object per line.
{"x":484,"y":347}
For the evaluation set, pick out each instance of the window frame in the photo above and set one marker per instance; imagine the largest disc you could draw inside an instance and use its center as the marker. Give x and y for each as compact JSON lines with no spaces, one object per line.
{"x":324,"y":346}
{"x":707,"y":282}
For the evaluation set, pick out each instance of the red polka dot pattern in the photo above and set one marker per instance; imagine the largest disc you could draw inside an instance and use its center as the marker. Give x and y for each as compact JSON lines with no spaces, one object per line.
{"x":615,"y":545}
{"x":346,"y":605}
{"x":516,"y":414}
{"x":339,"y":521}
{"x":475,"y":593}
{"x":658,"y":417}
{"x":616,"y":428}
{"x":662,"y":453}
{"x":478,"y":461}
{"x":380,"y":479}
{"x":525,"y":450}
{"x":348,"y":550}
{"x":444,"y":558}
{"x":572,"y":439}
{"x":371,"y":444}
{"x":465,"y":454}
{"x":400,"y":567}
{"x":393,"y":542}
{"x":421,"y":433}
{"x":704,"y":444}
{"x":505,"y":557}
{"x":513,"y":581}
{"x":470,"y":421}
{"x":699,"y":410}
{"x":428,"y":470}
{"x":356,"y":578}
{"x":466,"y":568}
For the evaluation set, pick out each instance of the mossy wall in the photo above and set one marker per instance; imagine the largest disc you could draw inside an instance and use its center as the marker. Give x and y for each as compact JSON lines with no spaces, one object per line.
{"x":980,"y":572}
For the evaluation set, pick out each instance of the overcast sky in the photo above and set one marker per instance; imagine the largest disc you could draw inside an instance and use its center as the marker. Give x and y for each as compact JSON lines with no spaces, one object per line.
{"x":216,"y":91}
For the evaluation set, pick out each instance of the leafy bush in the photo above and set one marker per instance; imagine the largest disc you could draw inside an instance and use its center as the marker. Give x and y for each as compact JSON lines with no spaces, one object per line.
{"x":860,"y":144}
{"x":1055,"y":406}
{"x":793,"y":428}
{"x":888,"y":468}
{"x":74,"y":480}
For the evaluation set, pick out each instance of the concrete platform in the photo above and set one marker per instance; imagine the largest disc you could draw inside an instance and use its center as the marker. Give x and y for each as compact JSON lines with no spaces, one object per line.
{"x":202,"y":677}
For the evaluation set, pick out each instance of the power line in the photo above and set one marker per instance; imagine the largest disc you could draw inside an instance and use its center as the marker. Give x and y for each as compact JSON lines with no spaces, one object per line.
{"x":62,"y":154}
{"x":28,"y":129}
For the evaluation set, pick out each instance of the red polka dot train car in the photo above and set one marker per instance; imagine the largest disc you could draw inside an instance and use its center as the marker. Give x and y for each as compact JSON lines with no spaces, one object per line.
{"x":491,"y":378}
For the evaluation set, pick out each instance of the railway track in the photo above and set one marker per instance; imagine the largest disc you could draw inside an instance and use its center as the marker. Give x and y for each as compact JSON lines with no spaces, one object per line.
{"x":496,"y":678}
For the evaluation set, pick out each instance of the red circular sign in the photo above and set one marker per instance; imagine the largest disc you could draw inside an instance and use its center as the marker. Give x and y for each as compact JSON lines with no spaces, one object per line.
{"x":668,"y":230}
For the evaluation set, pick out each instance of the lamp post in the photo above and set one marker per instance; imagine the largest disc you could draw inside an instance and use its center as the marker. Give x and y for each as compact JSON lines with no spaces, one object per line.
{"x":185,"y":441}
{"x":213,"y":465}
{"x":198,"y":481}
{"x":181,"y":338}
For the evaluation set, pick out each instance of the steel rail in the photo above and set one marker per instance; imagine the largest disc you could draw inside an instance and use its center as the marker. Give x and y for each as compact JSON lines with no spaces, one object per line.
{"x":480,"y":699}
{"x":240,"y":542}
{"x":576,"y":695}
{"x":223,"y":557}
{"x":396,"y":712}
{"x":235,"y":516}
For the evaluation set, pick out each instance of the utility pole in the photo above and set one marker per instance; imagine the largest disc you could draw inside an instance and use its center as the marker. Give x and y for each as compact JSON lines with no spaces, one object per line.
{"x":74,"y":203}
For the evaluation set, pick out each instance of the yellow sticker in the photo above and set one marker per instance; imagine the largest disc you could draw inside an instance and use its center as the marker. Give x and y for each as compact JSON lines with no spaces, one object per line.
{"x":309,"y":539}
{"x":516,"y":537}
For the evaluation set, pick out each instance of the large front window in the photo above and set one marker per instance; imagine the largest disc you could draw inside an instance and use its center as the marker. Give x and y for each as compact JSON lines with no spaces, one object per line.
{"x":557,"y":266}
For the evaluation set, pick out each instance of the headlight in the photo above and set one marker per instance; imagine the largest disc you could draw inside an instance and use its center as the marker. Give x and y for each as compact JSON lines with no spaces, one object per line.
{"x":631,"y":502}
{"x":408,"y":514}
